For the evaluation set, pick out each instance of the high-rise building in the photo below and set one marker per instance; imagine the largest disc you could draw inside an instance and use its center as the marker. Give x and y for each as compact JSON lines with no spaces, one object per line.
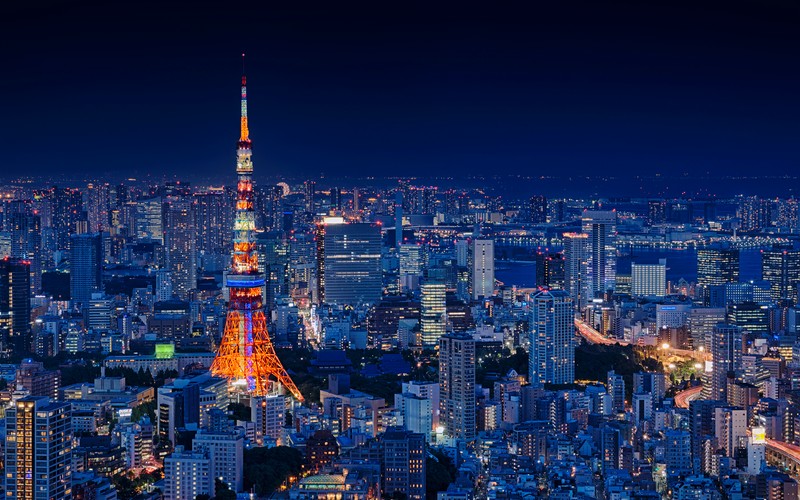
{"x":601,"y":226}
{"x":180,"y":246}
{"x":433,"y":313}
{"x":649,"y":280}
{"x":482,"y":268}
{"x":552,"y":351}
{"x":86,"y":267}
{"x":754,"y":213}
{"x":575,"y":261}
{"x":15,"y":304}
{"x":149,"y":219}
{"x":701,"y":323}
{"x":403,"y":464}
{"x":32,"y":376}
{"x":726,"y":353}
{"x":352,"y":263}
{"x":187,"y":474}
{"x":656,"y":212}
{"x":716,"y":265}
{"x":417,"y":413}
{"x":26,"y":244}
{"x":427,"y":390}
{"x":537,"y":209}
{"x":98,"y":206}
{"x":214,"y":211}
{"x":750,"y":316}
{"x":457,"y":385}
{"x":269,"y":415}
{"x":781,"y":268}
{"x":38,"y":454}
{"x":225,"y":450}
{"x":615,"y":386}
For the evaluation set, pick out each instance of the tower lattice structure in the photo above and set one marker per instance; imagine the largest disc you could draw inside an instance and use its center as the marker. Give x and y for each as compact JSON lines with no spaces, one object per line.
{"x":246,"y":355}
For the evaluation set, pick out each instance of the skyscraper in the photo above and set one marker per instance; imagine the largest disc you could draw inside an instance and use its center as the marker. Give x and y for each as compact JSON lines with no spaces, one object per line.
{"x":38,"y":450}
{"x":552,"y":351}
{"x":575,"y":246}
{"x":15,"y":304}
{"x":537,"y":209}
{"x":403,"y":464}
{"x":26,"y":244}
{"x":180,"y":246}
{"x":649,"y":280}
{"x":457,"y":385}
{"x":781,"y":268}
{"x":726,"y":354}
{"x":717,"y":265}
{"x":433,"y":313}
{"x":754,"y":213}
{"x":601,"y":226}
{"x":352,"y":268}
{"x":86,"y":267}
{"x":482,"y":268}
{"x":149,"y":219}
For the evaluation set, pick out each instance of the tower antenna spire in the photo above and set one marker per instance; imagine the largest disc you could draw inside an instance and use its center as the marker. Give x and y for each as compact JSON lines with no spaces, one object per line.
{"x":246,"y":355}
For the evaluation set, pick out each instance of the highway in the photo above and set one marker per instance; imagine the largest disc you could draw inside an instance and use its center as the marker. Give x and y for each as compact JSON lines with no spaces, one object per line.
{"x":594,"y":337}
{"x":683,"y":398}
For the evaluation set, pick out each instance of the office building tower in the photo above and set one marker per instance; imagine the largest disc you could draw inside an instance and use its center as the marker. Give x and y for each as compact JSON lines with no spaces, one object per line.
{"x":225,"y":450}
{"x":433,"y":313}
{"x":730,"y":429}
{"x":702,"y":429}
{"x":427,"y":390}
{"x":787,"y":214}
{"x":149,"y":220}
{"x":672,"y":315}
{"x":615,"y":386}
{"x":677,"y":450}
{"x":482,"y":268}
{"x":403,"y":464}
{"x":652,"y":383}
{"x":726,"y":353}
{"x":26,"y":244}
{"x":701,"y":323}
{"x":552,"y":350}
{"x":412,"y":260}
{"x":754,"y":213}
{"x":649,"y":280}
{"x":273,"y":261}
{"x":67,"y":210}
{"x":417,"y":413}
{"x":352,"y":263}
{"x":214,"y":212}
{"x":32,"y":377}
{"x":180,"y":246}
{"x":38,"y":450}
{"x":461,"y":251}
{"x":15,"y":304}
{"x":537,"y":209}
{"x":457,"y":385}
{"x":601,"y":226}
{"x":781,"y":268}
{"x":717,"y":265}
{"x":336,"y":198}
{"x":98,"y":206}
{"x":269,"y":415}
{"x":553,"y":275}
{"x":656,"y":212}
{"x":575,"y":261}
{"x":751,"y":317}
{"x":86,"y":267}
{"x":310,"y":191}
{"x":187,"y":474}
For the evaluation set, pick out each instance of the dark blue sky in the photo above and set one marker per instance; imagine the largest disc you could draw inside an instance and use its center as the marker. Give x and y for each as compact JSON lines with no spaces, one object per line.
{"x":405,"y":88}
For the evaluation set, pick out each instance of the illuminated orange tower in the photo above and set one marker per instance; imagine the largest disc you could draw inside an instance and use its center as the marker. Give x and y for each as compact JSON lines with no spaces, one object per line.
{"x":246,"y":355}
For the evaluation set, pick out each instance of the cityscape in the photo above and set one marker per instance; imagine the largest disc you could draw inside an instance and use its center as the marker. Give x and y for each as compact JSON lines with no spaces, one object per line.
{"x":482,"y":333}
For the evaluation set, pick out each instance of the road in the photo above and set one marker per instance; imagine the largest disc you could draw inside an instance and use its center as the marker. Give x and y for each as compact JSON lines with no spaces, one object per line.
{"x":594,"y":337}
{"x":683,"y":398}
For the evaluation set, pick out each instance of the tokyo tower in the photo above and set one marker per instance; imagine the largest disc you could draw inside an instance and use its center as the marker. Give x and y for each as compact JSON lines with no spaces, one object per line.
{"x":246,"y":355}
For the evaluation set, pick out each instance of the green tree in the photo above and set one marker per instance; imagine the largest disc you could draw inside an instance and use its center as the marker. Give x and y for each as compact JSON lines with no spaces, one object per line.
{"x":266,"y":468}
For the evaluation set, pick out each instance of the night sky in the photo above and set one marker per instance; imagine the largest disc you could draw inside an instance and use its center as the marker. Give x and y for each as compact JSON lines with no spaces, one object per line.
{"x":401,"y":88}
